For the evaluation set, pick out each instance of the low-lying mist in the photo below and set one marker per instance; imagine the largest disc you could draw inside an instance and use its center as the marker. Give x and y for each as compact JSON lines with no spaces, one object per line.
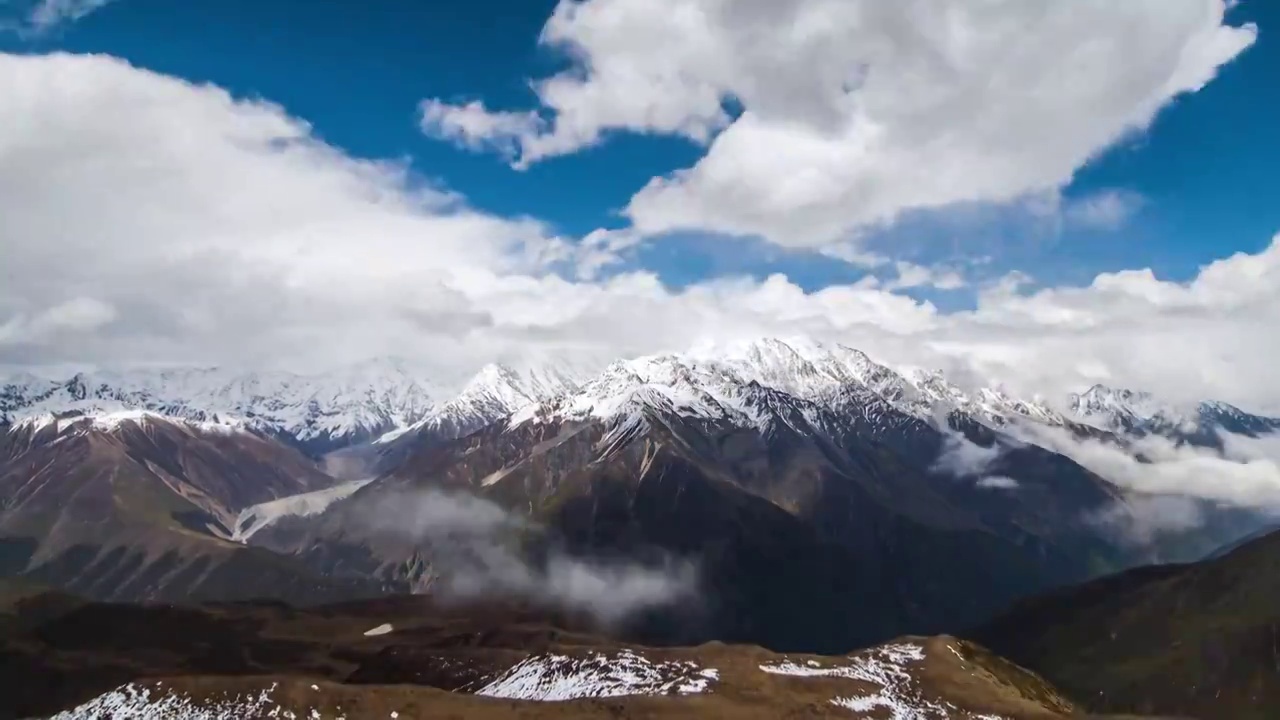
{"x":476,"y":550}
{"x":1172,"y":488}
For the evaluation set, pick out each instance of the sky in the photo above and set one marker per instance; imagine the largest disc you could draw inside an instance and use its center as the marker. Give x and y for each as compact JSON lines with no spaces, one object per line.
{"x":1040,"y":195}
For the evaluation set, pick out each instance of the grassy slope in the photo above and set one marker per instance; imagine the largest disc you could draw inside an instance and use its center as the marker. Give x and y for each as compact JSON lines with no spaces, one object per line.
{"x":1201,"y":640}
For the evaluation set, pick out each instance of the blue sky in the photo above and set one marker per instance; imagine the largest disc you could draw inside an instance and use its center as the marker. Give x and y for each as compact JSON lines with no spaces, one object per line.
{"x":1203,"y":174}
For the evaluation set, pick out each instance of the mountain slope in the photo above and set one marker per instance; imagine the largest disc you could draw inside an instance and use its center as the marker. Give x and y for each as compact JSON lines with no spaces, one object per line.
{"x":139,"y":507}
{"x":410,"y":657}
{"x":792,"y":512}
{"x":494,"y":394}
{"x":1201,"y":640}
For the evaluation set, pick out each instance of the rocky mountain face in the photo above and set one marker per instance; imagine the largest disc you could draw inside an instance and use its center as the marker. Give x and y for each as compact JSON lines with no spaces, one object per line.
{"x":1199,"y":640}
{"x":136,"y":506}
{"x":813,"y":526}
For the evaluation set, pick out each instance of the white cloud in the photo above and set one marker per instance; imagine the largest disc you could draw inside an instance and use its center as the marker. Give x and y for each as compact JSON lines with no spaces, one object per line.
{"x":854,"y":111}
{"x":476,"y":128}
{"x":209,"y":223}
{"x":76,"y":315}
{"x":998,"y":482}
{"x":911,"y":275}
{"x":1246,"y":474}
{"x":45,"y":15}
{"x":959,"y":456}
{"x":147,"y":219}
{"x":1105,"y":210}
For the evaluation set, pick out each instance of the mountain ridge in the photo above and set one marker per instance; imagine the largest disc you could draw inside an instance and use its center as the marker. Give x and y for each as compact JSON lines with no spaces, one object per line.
{"x":382,"y":400}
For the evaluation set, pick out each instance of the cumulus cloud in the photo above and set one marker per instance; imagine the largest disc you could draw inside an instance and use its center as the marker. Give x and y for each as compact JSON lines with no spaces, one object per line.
{"x":147,"y":219}
{"x":854,"y":111}
{"x":473,"y":548}
{"x":209,"y":222}
{"x":475,"y":127}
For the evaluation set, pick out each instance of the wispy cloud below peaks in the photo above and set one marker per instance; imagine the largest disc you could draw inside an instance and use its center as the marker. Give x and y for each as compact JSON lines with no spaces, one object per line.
{"x":998,"y":482}
{"x":470,"y":544}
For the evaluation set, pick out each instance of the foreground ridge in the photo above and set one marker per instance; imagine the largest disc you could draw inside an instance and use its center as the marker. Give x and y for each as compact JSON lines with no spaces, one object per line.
{"x":401,"y":658}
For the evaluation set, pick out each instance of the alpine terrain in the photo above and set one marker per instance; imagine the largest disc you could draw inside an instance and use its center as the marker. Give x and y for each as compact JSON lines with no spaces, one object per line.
{"x":779,"y":493}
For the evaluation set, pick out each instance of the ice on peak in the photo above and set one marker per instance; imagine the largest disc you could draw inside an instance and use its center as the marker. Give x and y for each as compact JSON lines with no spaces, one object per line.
{"x":351,"y":402}
{"x":36,"y":423}
{"x":724,"y":380}
{"x":111,"y":421}
{"x":497,"y":391}
{"x":1121,"y":405}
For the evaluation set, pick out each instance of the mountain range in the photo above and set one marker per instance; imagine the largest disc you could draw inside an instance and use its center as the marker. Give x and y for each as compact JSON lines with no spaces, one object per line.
{"x":383,"y":399}
{"x":788,"y":494}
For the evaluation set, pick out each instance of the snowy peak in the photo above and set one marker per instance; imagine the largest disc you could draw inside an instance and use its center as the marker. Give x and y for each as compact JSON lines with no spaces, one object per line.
{"x":1132,"y":411}
{"x":321,"y":411}
{"x":58,"y":426}
{"x":509,"y":388}
{"x":494,"y":393}
{"x":1101,"y":400}
{"x":1124,"y":410}
{"x":757,"y":385}
{"x":385,"y":399}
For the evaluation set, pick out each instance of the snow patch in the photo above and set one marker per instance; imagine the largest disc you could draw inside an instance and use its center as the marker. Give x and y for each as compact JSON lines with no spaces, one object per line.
{"x":885,"y":667}
{"x":133,"y":702}
{"x":256,"y":517}
{"x":553,"y":677}
{"x":382,"y":629}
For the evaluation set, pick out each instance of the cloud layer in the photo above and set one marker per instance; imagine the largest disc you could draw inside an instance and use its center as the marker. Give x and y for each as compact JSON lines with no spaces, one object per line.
{"x":851,"y":112}
{"x":147,"y":219}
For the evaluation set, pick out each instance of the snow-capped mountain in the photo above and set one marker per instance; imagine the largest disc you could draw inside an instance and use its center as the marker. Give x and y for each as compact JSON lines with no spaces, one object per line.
{"x":63,"y":424}
{"x":722,"y":382}
{"x":1130,"y":412}
{"x":378,"y":399}
{"x":494,"y":393}
{"x":321,"y":411}
{"x":389,"y":401}
{"x":726,"y":383}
